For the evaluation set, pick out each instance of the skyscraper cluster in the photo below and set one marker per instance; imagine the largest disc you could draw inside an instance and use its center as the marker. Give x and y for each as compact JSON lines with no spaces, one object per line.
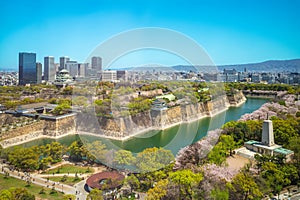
{"x":30,"y":71}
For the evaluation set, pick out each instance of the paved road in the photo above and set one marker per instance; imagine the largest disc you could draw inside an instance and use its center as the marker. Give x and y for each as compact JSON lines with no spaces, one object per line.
{"x":81,"y":193}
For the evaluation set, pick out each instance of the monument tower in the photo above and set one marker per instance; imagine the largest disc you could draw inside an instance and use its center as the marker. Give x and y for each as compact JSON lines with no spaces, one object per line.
{"x":267,"y":137}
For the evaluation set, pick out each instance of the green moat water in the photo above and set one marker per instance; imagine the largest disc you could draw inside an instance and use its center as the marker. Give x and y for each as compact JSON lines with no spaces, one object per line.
{"x":173,"y":138}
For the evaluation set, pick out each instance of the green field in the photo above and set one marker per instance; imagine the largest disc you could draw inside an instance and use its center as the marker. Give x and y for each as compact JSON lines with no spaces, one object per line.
{"x":64,"y":169}
{"x":6,"y":183}
{"x":69,"y":180}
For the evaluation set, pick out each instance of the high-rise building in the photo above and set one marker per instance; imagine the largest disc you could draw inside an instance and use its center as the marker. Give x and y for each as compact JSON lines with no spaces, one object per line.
{"x":62,"y":61}
{"x":72,"y":67}
{"x":27,"y":68}
{"x":39,"y":72}
{"x":49,"y":68}
{"x":83,"y":69}
{"x":97,"y":63}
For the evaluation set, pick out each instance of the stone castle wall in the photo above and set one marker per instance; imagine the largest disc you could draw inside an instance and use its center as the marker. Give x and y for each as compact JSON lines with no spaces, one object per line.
{"x":38,"y":128}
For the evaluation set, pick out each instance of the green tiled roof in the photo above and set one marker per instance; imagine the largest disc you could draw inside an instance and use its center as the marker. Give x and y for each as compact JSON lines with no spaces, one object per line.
{"x":283,"y":151}
{"x":251,"y":142}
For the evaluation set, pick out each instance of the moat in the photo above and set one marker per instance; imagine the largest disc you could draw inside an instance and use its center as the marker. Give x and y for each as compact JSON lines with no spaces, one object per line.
{"x":173,"y":138}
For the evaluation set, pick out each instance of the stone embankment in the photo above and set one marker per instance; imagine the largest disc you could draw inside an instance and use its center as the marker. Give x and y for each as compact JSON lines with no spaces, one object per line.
{"x":126,"y":127}
{"x":34,"y":129}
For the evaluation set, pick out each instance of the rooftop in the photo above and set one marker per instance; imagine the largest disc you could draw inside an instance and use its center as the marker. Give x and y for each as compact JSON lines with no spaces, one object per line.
{"x":252,"y":142}
{"x":273,"y":147}
{"x":283,"y":151}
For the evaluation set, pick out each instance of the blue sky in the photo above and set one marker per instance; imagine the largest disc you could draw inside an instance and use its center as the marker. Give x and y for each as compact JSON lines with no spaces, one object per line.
{"x":230,"y":31}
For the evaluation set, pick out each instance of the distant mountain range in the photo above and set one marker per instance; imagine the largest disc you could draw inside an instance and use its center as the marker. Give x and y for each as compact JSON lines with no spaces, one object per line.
{"x":267,"y":66}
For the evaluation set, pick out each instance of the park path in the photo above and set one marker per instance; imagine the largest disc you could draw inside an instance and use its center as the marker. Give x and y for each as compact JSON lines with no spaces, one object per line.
{"x":41,"y":179}
{"x":36,"y":179}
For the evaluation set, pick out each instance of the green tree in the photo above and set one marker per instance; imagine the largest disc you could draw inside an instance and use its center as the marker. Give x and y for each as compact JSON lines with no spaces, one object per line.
{"x":294,"y":145}
{"x":6,"y":195}
{"x":275,"y":178}
{"x":158,"y":191}
{"x":61,"y":109}
{"x":217,"y":194}
{"x":24,"y":158}
{"x":22,"y":194}
{"x":284,"y":130}
{"x":124,"y":158}
{"x":243,"y":187}
{"x":77,"y":151}
{"x":69,"y":197}
{"x":55,"y":151}
{"x":218,"y":154}
{"x":132,"y":181}
{"x":152,"y":159}
{"x":96,"y":151}
{"x":228,"y":142}
{"x":95,"y":194}
{"x":185,"y":180}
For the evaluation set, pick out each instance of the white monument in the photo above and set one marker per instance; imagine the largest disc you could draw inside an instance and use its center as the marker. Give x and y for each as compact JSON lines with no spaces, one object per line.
{"x":267,"y":137}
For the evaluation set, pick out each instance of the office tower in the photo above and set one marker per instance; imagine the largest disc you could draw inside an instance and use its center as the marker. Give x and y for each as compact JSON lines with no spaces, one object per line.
{"x":49,"y":68}
{"x":72,"y":67}
{"x":97,"y":63}
{"x":62,"y":61}
{"x":27,"y":68}
{"x":39,"y":72}
{"x":83,"y":69}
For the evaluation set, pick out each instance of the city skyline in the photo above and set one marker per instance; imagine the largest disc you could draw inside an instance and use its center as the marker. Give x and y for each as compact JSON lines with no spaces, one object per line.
{"x":231,"y":33}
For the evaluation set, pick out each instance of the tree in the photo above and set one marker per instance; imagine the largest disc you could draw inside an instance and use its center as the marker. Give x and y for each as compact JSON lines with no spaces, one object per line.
{"x":217,"y":194}
{"x":244,"y":187}
{"x":95,"y":194}
{"x":55,"y":151}
{"x":152,"y":159}
{"x":69,"y":197}
{"x":275,"y":178}
{"x":77,"y":151}
{"x":228,"y":143}
{"x":22,"y":194}
{"x":61,"y":109}
{"x":124,"y":158}
{"x":6,"y":195}
{"x":96,"y":151}
{"x":294,"y":145}
{"x":132,"y":181}
{"x":24,"y":158}
{"x":185,"y":180}
{"x":159,"y":190}
{"x":284,"y":130}
{"x":218,"y":154}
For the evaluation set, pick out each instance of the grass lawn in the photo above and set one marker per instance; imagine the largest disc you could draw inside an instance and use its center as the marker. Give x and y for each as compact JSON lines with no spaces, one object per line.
{"x":6,"y":183}
{"x":69,"y":181}
{"x":64,"y":169}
